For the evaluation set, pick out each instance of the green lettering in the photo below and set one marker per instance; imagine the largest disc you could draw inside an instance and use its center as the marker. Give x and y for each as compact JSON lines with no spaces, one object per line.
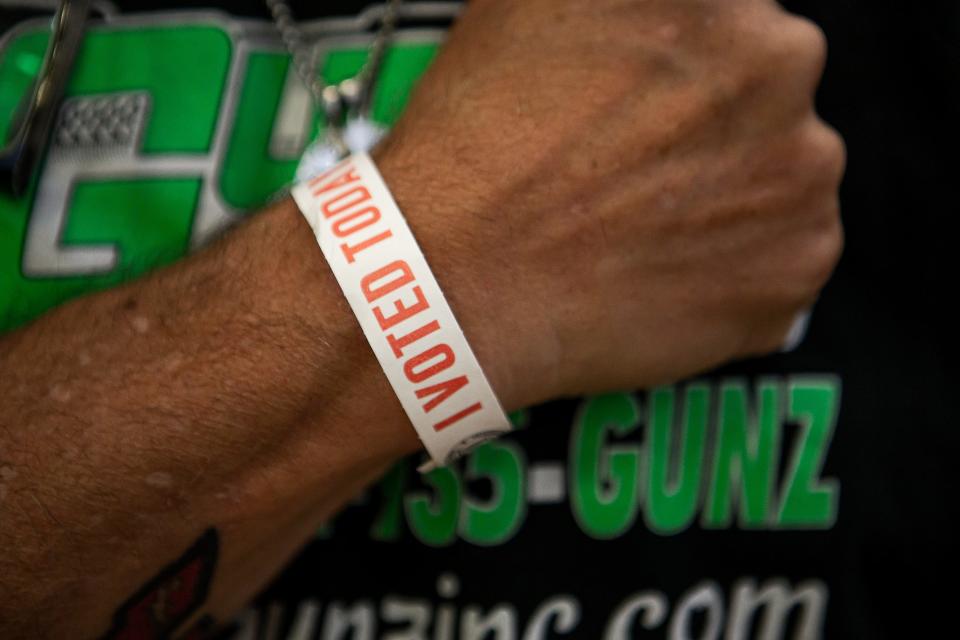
{"x":386,"y":527}
{"x":433,"y":519}
{"x":745,"y":456}
{"x":499,"y":519}
{"x":814,"y":403}
{"x":672,"y":501}
{"x":185,"y":86}
{"x":604,"y":480}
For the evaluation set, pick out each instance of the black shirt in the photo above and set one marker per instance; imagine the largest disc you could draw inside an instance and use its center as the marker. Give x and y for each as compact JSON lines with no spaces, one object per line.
{"x":799,"y":495}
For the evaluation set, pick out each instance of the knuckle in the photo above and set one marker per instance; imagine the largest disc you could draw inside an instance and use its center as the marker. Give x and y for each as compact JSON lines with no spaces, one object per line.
{"x":824,"y":254}
{"x":794,"y":44}
{"x":834,"y":244}
{"x":810,"y":37}
{"x":825,"y":153}
{"x":783,"y":50}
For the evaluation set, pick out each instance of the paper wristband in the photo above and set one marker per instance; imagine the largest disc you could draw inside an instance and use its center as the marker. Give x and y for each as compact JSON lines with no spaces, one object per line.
{"x":401,"y":309}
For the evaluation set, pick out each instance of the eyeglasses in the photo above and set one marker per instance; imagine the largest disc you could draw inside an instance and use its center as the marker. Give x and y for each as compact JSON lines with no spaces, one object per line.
{"x":33,"y":121}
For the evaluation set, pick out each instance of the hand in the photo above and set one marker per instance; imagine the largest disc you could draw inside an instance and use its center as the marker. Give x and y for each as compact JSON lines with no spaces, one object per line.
{"x":620,"y":193}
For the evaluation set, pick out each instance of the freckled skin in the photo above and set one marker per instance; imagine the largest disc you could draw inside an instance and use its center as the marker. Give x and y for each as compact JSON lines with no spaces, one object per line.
{"x":140,"y":324}
{"x":159,"y":479}
{"x":60,"y":393}
{"x":626,"y":194}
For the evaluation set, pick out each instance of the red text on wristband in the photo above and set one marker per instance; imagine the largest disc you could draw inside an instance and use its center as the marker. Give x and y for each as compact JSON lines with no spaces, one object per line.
{"x":401,"y":309}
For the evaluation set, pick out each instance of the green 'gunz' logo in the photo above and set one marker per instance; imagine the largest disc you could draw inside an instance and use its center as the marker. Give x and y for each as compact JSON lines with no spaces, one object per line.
{"x":714,"y":454}
{"x":173,"y":126}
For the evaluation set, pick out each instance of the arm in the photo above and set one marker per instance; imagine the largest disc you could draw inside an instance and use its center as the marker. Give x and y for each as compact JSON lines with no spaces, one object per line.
{"x":647,"y":195}
{"x":231,"y":391}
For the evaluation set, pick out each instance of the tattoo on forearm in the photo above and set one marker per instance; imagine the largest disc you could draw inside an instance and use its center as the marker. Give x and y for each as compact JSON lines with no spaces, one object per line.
{"x":165,"y":602}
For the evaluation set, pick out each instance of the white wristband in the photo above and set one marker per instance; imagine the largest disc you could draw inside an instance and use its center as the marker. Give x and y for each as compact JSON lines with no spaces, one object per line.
{"x":401,"y":309}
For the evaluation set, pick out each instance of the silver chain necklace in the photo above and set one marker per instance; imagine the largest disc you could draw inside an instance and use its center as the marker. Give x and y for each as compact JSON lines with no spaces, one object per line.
{"x":345,"y":107}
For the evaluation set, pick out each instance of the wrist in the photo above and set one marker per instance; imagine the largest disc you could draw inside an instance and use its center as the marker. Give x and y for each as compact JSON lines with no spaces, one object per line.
{"x":448,"y":225}
{"x":346,"y":393}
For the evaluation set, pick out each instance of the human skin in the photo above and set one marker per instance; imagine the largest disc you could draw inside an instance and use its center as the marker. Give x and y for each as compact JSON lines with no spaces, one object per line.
{"x":611,"y":194}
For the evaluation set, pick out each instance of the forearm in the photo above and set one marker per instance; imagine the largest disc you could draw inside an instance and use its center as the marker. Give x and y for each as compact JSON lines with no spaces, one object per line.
{"x":231,"y":391}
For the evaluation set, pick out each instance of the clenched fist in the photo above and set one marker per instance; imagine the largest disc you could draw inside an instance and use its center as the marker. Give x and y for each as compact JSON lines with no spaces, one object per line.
{"x":621,"y":192}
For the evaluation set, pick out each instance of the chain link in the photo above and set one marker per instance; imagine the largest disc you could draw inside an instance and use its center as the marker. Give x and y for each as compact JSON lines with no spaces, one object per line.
{"x":354,"y":94}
